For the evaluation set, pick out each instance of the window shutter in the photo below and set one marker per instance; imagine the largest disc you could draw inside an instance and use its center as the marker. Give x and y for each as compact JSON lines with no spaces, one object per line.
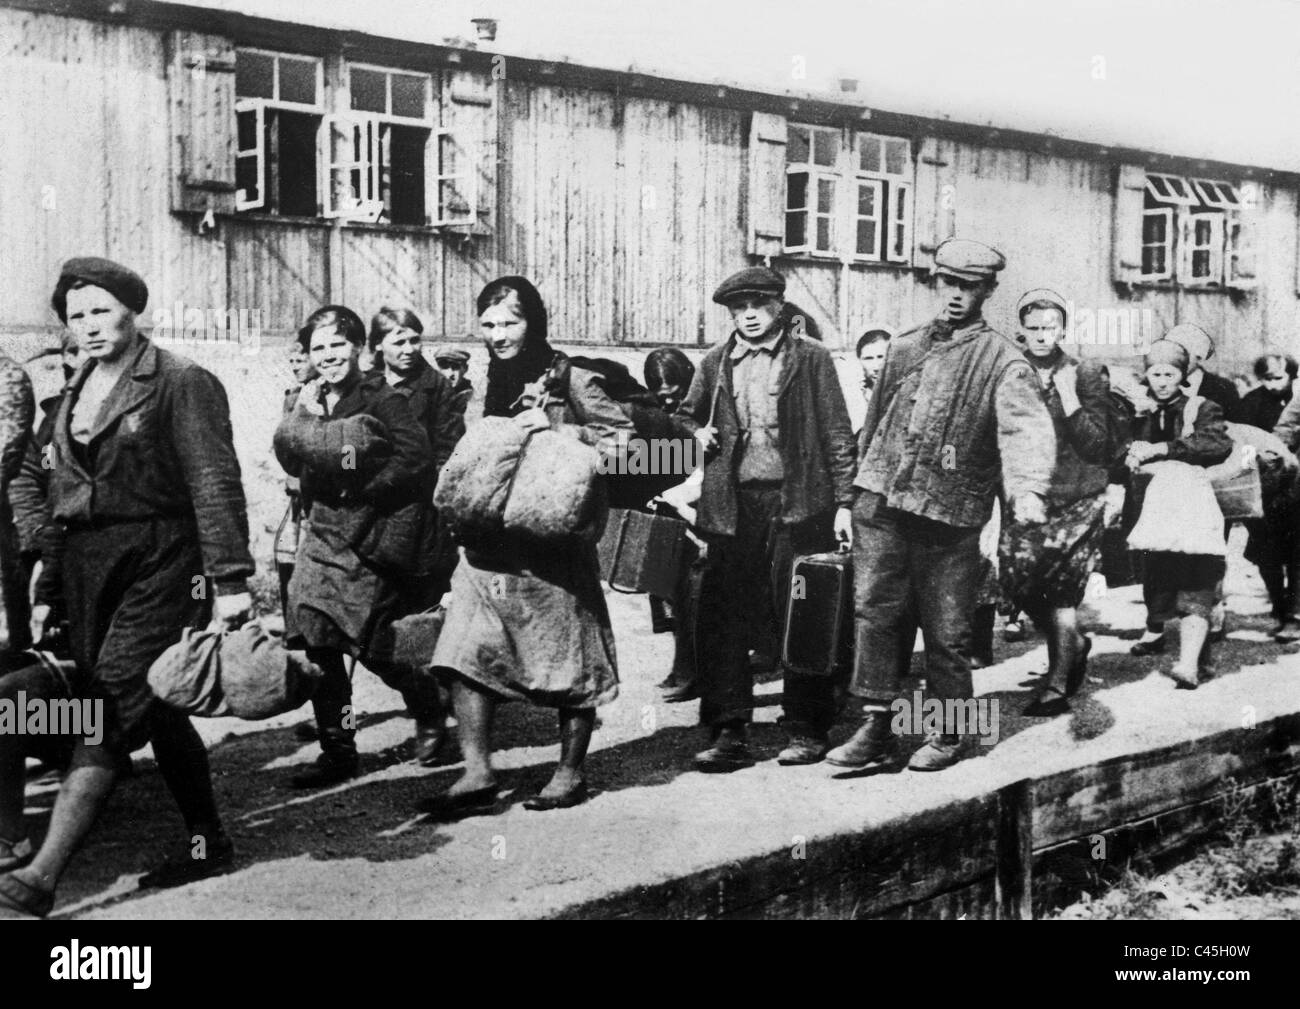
{"x":470,"y":108}
{"x":1241,"y":261}
{"x":766,"y":204}
{"x":935,"y":201}
{"x":201,"y":94}
{"x":1126,"y":241}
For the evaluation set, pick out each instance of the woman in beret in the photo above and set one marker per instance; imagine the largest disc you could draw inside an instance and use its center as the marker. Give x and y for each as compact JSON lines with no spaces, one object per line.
{"x":365,"y":471}
{"x":145,"y":493}
{"x":1044,"y":568}
{"x":528,"y":621}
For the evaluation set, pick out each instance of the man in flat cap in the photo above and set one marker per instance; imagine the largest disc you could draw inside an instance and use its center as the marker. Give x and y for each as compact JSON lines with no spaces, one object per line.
{"x":767,"y":408}
{"x":956,"y":415}
{"x":453,"y":362}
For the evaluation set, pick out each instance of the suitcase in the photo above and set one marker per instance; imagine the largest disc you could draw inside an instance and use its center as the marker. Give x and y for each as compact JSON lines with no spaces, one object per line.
{"x":642,"y":552}
{"x":817,"y":639}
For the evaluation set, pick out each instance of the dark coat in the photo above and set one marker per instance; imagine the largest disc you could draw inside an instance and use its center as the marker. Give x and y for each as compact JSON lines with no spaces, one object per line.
{"x":161,"y":447}
{"x":1261,"y":408}
{"x":433,"y":402}
{"x":17,"y":406}
{"x":1088,"y":439}
{"x":1223,"y":391}
{"x":383,"y":507}
{"x":814,"y":434}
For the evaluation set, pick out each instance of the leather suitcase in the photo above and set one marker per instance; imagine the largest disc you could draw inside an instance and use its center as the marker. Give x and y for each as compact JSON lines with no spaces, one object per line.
{"x":817,"y":639}
{"x":642,"y":552}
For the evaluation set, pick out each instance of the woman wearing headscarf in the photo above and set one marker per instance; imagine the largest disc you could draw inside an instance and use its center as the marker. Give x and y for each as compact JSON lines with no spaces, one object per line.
{"x":145,"y":490}
{"x":1045,"y":568}
{"x":1180,"y":583}
{"x":365,"y":468}
{"x":527,"y":620}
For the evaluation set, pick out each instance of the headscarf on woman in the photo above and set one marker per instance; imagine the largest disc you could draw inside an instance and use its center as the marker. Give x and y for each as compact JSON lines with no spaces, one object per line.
{"x":507,"y":379}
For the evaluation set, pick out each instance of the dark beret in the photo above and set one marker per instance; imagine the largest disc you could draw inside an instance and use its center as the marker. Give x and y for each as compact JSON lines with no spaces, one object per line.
{"x":122,"y":283}
{"x":452,"y":355}
{"x":754,"y":280}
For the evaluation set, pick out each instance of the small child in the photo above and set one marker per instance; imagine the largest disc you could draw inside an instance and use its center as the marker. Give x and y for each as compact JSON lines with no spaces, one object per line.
{"x":1177,"y":584}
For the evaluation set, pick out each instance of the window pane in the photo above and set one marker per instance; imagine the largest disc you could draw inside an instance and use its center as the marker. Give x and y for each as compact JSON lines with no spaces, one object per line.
{"x":1153,"y":228}
{"x":869,"y":152}
{"x":1203,"y":230}
{"x":900,"y":204}
{"x":866,"y":238}
{"x":896,"y":153}
{"x":1161,"y":186}
{"x":796,"y":191}
{"x":825,"y":196}
{"x":796,"y":148}
{"x":796,"y":229}
{"x":408,"y":96}
{"x":824,"y":234}
{"x":1201,"y":264}
{"x":867,"y":201}
{"x":246,"y":178}
{"x":247,"y":122}
{"x":253,"y":75}
{"x":825,"y":146}
{"x":298,"y":81}
{"x":368,"y":91}
{"x":1153,"y":259}
{"x":1179,"y":188}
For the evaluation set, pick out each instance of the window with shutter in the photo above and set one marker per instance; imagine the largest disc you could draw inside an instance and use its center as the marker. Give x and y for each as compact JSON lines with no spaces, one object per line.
{"x":767,"y":195}
{"x":201,"y":99}
{"x":463,"y":163}
{"x":279,"y":111}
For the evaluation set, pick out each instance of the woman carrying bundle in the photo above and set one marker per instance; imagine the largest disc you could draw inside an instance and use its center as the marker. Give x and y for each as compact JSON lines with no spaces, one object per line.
{"x":527,"y":620}
{"x":365,"y":468}
{"x":1177,"y":583}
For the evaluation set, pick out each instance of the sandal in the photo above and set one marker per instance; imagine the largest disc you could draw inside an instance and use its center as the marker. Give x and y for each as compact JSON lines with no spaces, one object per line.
{"x":19,"y":899}
{"x":15,"y":854}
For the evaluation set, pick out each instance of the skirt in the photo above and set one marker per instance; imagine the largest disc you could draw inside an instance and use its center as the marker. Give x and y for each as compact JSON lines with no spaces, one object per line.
{"x":531,"y":624}
{"x":1047,"y":566}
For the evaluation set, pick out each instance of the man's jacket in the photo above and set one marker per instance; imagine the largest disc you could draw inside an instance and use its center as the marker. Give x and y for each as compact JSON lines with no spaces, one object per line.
{"x":814,"y":436}
{"x":955,"y":414}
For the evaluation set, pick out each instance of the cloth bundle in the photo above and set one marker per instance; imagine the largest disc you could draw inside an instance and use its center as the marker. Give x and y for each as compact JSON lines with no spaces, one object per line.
{"x":247,"y":673}
{"x":1180,"y":513}
{"x":502,"y":478}
{"x":350,"y":448}
{"x":415,"y":635}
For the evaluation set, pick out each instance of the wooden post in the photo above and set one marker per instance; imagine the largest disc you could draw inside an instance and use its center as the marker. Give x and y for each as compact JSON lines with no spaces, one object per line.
{"x":1013,"y":890}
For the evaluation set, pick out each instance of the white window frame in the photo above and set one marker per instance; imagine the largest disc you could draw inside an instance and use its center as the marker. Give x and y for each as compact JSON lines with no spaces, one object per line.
{"x":427,"y":120}
{"x":259,"y":105}
{"x":894,"y":192}
{"x":468,"y":160}
{"x":365,"y":140}
{"x":1180,"y":190}
{"x":1211,"y":193}
{"x":1188,"y":247}
{"x":1166,"y":212}
{"x":258,"y":153}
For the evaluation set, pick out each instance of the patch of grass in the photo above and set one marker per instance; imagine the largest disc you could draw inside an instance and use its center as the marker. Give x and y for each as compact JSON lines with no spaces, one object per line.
{"x":1258,"y":850}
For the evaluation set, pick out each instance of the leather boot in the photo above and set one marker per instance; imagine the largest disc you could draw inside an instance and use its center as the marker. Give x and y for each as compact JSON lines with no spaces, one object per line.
{"x":872,"y":746}
{"x":337,"y":762}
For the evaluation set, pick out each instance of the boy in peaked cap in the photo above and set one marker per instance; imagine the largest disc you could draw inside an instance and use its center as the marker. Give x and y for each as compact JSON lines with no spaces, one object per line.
{"x":767,"y":409}
{"x":956,"y":414}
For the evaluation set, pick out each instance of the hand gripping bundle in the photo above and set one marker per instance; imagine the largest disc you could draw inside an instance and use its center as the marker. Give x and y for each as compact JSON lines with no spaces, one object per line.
{"x":247,"y":673}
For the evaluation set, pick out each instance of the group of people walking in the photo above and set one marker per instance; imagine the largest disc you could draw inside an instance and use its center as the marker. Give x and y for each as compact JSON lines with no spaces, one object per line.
{"x":130,"y":496}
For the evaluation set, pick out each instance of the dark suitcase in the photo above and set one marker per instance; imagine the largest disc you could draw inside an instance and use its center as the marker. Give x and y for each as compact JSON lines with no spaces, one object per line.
{"x":642,"y":552}
{"x":818,"y":636}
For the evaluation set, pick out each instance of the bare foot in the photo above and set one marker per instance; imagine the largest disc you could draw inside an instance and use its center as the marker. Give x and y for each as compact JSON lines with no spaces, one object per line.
{"x":563,"y":781}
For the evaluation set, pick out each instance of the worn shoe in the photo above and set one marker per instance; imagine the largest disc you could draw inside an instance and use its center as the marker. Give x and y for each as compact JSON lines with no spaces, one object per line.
{"x":434,"y":746}
{"x":181,"y":869}
{"x":447,"y":807}
{"x":19,"y":899}
{"x":15,"y":854}
{"x":1013,"y":631}
{"x":306,"y":732}
{"x":872,"y":746}
{"x":941,"y":751}
{"x":1289,"y":632}
{"x":802,"y":749}
{"x":1156,"y":646}
{"x":729,"y":752}
{"x":679,"y":692}
{"x":575,"y":796}
{"x":325,"y":772}
{"x":1188,"y":679}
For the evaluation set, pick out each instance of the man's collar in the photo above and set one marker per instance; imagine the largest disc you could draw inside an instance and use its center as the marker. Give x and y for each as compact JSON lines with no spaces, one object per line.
{"x":943,"y":330}
{"x":769,"y":344}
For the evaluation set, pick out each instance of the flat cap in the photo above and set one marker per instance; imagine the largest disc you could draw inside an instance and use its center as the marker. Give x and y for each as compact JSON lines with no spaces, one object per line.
{"x":121,"y":282}
{"x":968,"y":260}
{"x":752,"y":280}
{"x":451,"y":355}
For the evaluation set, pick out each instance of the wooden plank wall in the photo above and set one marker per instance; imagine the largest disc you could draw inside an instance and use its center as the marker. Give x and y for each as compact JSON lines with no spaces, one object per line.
{"x":626,"y":211}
